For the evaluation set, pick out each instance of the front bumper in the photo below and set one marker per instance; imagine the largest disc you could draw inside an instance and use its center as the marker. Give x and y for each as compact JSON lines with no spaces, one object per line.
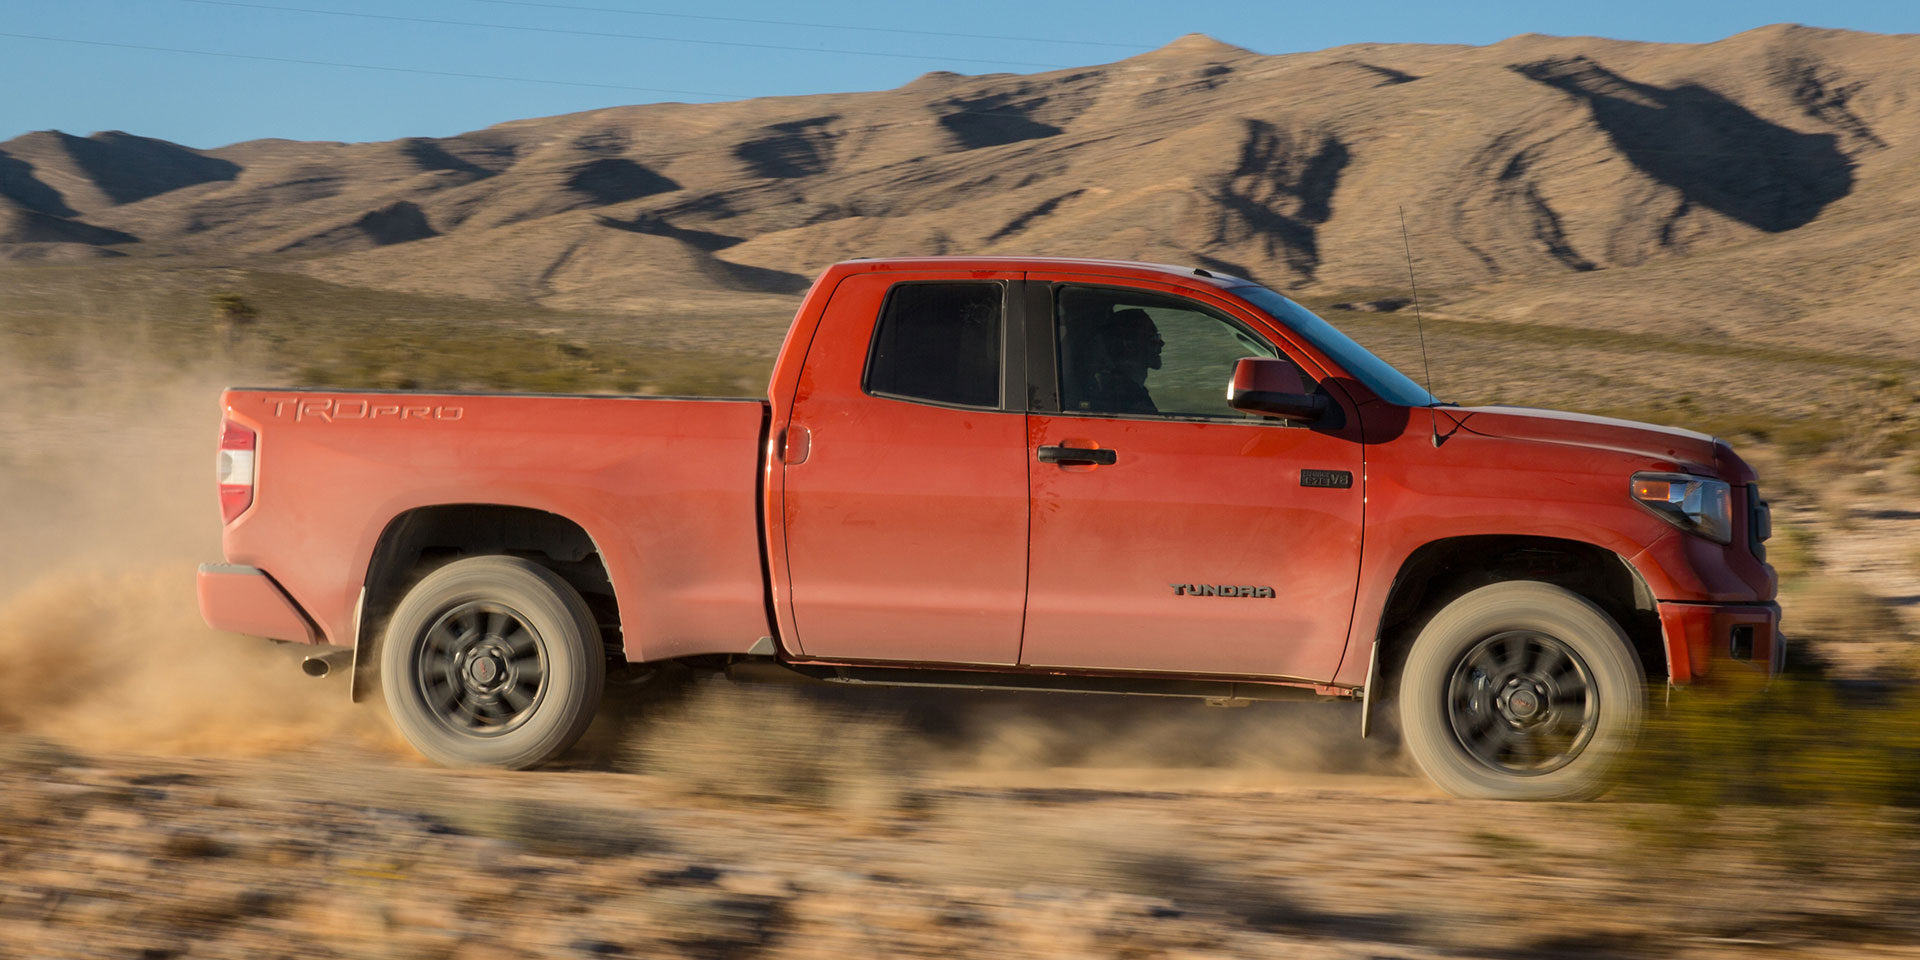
{"x":245,"y":600}
{"x":1703,"y":636}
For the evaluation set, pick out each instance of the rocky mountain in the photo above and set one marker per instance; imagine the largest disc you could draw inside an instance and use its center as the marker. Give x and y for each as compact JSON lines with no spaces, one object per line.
{"x":1765,"y":184}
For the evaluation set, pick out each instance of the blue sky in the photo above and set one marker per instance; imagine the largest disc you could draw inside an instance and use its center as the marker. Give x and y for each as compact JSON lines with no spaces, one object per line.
{"x":119,"y":80}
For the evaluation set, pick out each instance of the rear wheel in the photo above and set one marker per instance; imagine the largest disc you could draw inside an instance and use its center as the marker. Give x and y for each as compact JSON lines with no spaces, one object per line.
{"x":492,"y":661}
{"x":1521,"y":691}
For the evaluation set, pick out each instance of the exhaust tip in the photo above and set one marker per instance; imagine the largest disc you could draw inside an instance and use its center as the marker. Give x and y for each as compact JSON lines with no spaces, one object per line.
{"x":320,"y":665}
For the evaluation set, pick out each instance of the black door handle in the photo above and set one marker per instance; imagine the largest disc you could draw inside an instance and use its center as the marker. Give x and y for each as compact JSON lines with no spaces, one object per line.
{"x":1074,"y":456}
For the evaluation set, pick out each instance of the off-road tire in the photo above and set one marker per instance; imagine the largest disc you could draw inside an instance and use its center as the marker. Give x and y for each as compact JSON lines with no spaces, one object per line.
{"x":1456,"y":668}
{"x":444,"y":699}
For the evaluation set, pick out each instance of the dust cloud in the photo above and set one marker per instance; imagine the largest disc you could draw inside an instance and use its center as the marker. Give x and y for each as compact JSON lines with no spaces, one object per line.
{"x":793,"y":742}
{"x":107,"y":505}
{"x":1262,"y":740}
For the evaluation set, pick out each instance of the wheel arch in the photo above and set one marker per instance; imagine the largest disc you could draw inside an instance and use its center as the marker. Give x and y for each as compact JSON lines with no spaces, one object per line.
{"x":419,"y":540}
{"x":1441,"y":570}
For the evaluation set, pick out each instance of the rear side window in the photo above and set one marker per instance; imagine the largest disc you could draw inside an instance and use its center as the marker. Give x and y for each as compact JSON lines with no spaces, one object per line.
{"x":939,"y":342}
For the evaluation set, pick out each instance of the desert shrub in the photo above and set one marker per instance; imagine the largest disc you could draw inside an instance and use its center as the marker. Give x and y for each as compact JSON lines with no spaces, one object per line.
{"x":1794,"y":742}
{"x":1870,"y":484}
{"x":1792,"y":552}
{"x":707,"y":922}
{"x":1884,"y":415}
{"x":775,"y":744}
{"x":517,"y":361}
{"x":1837,"y":512}
{"x":232,"y":308}
{"x":24,"y":753}
{"x":557,"y":830}
{"x":192,"y":845}
{"x":1836,"y":610}
{"x":1744,"y":785}
{"x":1795,"y":436}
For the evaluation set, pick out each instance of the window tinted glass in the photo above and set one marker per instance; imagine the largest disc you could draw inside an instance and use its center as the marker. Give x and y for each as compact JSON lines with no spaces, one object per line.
{"x":1131,"y":353}
{"x":939,"y":342}
{"x":1379,"y":376}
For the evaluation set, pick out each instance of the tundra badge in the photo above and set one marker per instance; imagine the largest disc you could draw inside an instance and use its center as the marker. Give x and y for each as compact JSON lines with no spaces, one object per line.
{"x":1219,"y":590}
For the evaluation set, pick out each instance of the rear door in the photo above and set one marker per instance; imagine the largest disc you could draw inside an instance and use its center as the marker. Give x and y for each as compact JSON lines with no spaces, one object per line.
{"x":1195,"y":539}
{"x":906,"y":475}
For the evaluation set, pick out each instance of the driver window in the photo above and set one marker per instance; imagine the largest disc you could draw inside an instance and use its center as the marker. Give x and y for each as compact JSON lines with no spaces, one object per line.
{"x":1132,"y":353}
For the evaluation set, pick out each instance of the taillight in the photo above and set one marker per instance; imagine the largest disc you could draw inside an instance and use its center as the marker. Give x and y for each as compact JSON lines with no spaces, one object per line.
{"x":235,"y":469}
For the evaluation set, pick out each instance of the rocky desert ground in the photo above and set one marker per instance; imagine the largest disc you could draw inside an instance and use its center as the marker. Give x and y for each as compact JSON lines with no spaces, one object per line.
{"x":329,"y":852}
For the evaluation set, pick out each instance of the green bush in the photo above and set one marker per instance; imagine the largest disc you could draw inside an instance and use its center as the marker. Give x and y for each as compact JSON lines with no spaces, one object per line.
{"x":1792,"y":552}
{"x":1796,"y":742}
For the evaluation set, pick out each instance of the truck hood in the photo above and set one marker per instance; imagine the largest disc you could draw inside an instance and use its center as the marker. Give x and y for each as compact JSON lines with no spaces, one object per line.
{"x":1584,"y":430}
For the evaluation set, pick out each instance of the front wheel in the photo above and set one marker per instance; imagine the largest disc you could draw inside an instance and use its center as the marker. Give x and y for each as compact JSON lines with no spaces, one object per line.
{"x":492,"y":661}
{"x":1521,"y":691}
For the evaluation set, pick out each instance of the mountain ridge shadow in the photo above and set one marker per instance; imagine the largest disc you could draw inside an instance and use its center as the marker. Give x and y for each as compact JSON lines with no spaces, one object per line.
{"x":17,"y":183}
{"x":1282,"y":189}
{"x":430,"y":155}
{"x":1717,"y":153}
{"x":791,"y":150}
{"x":656,"y":225}
{"x":994,"y":121}
{"x":611,"y":180}
{"x":128,"y":168}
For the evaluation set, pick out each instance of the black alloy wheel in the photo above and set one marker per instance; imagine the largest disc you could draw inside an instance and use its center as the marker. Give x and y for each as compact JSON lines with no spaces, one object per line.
{"x":492,"y":661}
{"x":482,"y":668}
{"x":1520,"y":690}
{"x":1521,"y":702}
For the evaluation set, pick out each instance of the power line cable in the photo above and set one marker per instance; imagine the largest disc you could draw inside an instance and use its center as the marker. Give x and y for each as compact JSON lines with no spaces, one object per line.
{"x":817,"y":26}
{"x":370,"y":66}
{"x":622,"y":36}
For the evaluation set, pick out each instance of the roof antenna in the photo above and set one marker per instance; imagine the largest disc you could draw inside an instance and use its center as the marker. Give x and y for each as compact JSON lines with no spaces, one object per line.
{"x":1433,"y":421}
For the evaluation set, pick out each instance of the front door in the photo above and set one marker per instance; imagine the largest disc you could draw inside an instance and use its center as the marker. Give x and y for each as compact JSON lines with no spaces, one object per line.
{"x":906,"y":511}
{"x":1190,"y":541}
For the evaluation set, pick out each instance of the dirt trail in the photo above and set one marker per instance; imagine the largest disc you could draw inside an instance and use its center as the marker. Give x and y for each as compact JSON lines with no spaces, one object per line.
{"x":328,"y":852}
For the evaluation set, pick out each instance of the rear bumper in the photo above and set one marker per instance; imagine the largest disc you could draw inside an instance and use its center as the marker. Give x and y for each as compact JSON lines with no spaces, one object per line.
{"x":245,"y":600}
{"x":1704,"y":636}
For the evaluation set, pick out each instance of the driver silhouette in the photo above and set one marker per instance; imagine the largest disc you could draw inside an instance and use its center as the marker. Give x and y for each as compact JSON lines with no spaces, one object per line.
{"x":1132,"y":347}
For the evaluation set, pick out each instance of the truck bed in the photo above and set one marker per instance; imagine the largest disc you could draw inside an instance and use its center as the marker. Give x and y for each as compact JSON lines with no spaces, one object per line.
{"x":666,"y":488}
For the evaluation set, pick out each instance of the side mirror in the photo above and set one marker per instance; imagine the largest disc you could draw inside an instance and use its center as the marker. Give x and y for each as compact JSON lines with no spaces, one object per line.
{"x":1273,"y":388}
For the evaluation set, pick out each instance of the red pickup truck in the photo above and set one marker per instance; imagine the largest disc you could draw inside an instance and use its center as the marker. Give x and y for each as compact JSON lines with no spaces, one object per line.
{"x":1051,"y":474}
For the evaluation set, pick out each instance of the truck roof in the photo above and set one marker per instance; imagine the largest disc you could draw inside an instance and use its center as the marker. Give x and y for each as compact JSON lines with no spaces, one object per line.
{"x":1118,"y":268}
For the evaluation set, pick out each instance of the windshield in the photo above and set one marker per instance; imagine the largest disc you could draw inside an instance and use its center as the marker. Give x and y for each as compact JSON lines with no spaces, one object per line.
{"x":1379,"y":376}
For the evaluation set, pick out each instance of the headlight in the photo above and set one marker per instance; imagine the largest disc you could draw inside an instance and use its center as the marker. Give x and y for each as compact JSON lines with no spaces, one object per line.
{"x":1694,"y":504}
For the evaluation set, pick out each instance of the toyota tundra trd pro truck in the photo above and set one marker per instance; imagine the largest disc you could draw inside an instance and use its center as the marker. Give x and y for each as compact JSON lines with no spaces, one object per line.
{"x":1046,"y":474}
